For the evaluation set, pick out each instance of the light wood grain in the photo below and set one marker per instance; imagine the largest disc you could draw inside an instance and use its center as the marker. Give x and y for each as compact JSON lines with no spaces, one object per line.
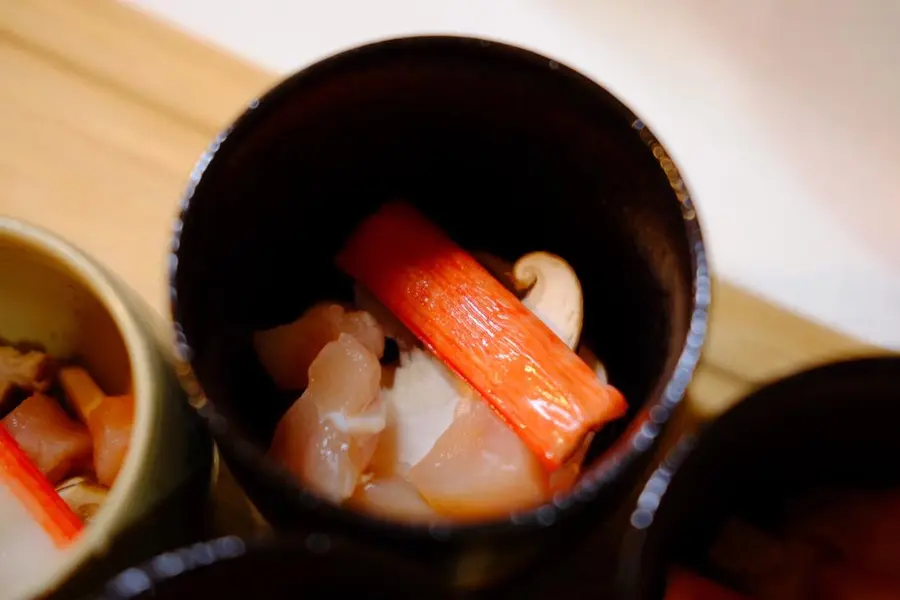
{"x":90,"y":164}
{"x":104,"y":111}
{"x":117,"y":47}
{"x":713,"y":391}
{"x":759,"y":341}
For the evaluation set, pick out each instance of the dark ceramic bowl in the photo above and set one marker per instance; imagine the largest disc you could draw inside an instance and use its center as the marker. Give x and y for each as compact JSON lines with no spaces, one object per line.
{"x":508,"y":152}
{"x":315,"y":568}
{"x":835,"y":425}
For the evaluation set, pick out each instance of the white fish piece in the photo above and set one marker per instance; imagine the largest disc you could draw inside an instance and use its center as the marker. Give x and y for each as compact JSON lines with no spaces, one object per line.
{"x":421,"y":404}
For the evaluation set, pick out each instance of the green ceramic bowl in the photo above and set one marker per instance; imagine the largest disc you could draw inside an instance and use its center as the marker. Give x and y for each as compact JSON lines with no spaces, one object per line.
{"x":54,"y":295}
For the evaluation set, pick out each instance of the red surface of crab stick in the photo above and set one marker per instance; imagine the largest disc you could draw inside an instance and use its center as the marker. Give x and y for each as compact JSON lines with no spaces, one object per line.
{"x":540,"y":387}
{"x":35,"y":492}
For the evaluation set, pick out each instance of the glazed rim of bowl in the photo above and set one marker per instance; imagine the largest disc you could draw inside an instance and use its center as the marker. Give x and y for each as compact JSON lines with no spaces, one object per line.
{"x":645,"y":426}
{"x":112,"y":517}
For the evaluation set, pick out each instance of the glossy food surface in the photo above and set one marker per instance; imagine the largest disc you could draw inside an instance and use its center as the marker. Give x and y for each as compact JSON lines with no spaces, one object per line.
{"x":505,"y":151}
{"x":540,"y":387}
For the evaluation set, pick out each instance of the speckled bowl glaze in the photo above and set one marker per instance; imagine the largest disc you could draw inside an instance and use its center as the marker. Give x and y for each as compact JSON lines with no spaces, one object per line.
{"x":315,"y":567}
{"x":54,"y":295}
{"x":836,"y":425}
{"x":509,"y":152}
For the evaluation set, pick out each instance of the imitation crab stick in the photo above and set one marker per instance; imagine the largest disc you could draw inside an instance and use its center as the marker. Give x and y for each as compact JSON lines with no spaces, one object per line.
{"x":36,"y":493}
{"x":468,"y":319}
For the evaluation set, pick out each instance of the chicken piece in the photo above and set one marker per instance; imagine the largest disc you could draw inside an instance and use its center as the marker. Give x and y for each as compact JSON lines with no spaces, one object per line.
{"x":479,"y":468}
{"x":287,"y":351}
{"x":27,"y":371}
{"x":421,"y":404}
{"x":109,"y":419}
{"x":328,"y":436}
{"x":393,"y":498}
{"x":55,"y":443}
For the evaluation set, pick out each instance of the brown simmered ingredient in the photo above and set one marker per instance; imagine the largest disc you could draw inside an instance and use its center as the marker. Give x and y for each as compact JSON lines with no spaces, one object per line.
{"x":108,"y":419}
{"x":55,"y":443}
{"x":27,"y":371}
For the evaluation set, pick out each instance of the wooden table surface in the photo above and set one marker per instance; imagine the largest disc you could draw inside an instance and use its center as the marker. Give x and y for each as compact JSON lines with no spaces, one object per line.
{"x":104,"y":110}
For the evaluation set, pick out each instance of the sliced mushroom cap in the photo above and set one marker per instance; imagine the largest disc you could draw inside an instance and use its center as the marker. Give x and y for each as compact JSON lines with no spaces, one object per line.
{"x":552,"y":269}
{"x":83,"y":496}
{"x":554,"y":293}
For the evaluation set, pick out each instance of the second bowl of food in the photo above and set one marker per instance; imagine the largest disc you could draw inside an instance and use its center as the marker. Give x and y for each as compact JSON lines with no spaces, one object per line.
{"x":440,"y":293}
{"x":92,"y":412}
{"x":792,"y":494}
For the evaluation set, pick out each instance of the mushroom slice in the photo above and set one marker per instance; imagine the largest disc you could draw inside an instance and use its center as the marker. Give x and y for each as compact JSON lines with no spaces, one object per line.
{"x":554,"y":293}
{"x":83,"y":496}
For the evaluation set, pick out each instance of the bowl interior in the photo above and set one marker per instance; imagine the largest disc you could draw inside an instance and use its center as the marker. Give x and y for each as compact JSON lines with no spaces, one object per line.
{"x":831,"y":427}
{"x":43,"y":302}
{"x":506,"y":151}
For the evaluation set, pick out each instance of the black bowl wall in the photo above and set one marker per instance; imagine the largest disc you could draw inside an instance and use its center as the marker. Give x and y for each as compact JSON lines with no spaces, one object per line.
{"x":508,"y":152}
{"x":315,"y":569}
{"x":836,"y":425}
